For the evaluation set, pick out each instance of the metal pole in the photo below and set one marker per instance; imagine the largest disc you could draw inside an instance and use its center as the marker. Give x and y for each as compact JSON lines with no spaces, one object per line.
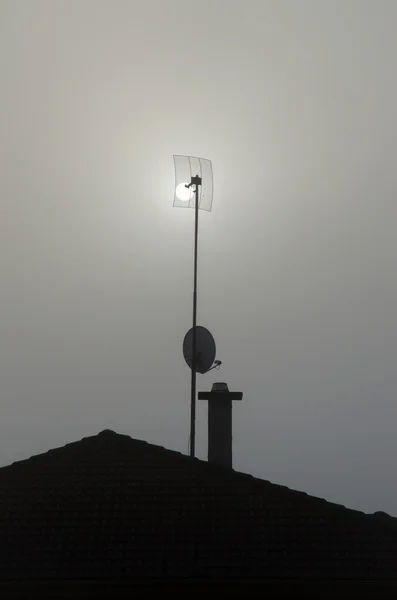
{"x":194,"y":360}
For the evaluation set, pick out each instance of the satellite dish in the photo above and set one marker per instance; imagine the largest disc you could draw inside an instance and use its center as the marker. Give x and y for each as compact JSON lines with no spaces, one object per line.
{"x":205,"y":349}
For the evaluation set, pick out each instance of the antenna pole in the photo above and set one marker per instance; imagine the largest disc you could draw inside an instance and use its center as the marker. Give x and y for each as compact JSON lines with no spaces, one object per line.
{"x":194,"y":181}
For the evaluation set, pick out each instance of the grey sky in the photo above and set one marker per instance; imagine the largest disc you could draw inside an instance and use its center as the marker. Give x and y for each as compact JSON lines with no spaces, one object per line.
{"x":294,"y":101}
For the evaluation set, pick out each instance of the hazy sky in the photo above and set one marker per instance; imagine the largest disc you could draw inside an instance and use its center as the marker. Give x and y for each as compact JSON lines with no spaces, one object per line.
{"x":294,"y":101}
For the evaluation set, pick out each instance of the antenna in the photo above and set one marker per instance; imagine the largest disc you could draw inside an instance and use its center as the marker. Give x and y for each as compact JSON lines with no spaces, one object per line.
{"x":205,"y":350}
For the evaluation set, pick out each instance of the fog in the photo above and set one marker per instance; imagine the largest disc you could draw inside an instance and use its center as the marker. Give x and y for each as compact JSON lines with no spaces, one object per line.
{"x":294,"y":101}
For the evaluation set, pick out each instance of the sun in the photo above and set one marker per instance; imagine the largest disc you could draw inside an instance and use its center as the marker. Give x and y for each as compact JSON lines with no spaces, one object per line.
{"x":183,"y":193}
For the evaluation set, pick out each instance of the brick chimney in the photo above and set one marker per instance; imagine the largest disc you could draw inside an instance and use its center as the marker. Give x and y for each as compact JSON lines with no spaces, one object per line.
{"x":220,"y":423}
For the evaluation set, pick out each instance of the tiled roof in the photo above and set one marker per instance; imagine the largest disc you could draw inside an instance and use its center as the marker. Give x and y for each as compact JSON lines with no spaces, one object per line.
{"x":111,"y":507}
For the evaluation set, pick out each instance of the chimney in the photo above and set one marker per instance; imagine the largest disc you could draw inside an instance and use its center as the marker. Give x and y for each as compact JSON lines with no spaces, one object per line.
{"x":220,"y":423}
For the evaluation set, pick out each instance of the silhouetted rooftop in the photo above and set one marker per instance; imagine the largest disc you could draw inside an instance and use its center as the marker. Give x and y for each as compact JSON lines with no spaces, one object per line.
{"x":115,"y":508}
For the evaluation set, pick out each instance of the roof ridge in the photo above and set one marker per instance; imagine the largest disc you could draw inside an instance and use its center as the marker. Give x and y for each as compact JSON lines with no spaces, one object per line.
{"x":113,"y":436}
{"x":108,"y":432}
{"x":105,"y":433}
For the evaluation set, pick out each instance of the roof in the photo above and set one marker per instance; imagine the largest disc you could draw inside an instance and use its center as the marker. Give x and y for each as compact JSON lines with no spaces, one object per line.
{"x":114,"y":508}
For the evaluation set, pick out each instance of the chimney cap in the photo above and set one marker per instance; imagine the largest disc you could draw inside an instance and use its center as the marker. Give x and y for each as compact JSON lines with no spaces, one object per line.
{"x":220,"y":391}
{"x":219,"y":387}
